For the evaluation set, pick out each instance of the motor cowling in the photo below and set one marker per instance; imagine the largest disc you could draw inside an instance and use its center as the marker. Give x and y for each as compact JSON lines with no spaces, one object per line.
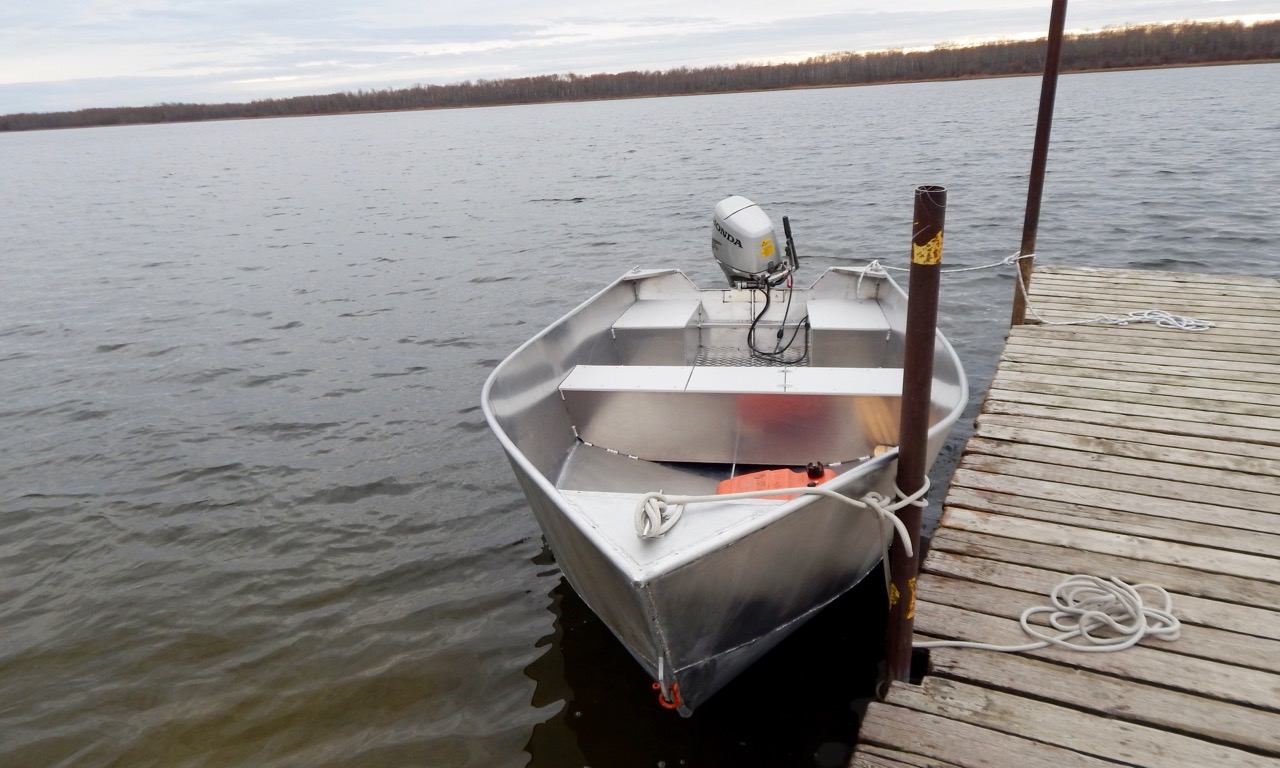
{"x":745,"y":245}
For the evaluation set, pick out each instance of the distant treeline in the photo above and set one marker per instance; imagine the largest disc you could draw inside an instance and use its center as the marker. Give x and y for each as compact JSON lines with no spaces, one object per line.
{"x":1119,"y":48}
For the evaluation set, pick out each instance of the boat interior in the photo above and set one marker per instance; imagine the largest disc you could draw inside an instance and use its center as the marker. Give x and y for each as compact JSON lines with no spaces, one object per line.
{"x":686,"y":387}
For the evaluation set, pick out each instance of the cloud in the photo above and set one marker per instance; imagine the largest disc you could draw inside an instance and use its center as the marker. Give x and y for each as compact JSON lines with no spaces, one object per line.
{"x":69,"y":54}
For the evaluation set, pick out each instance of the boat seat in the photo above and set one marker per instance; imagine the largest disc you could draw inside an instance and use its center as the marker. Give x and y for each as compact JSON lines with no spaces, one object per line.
{"x":657,"y":331}
{"x":735,"y":414}
{"x":841,"y":315}
{"x":848,"y":332}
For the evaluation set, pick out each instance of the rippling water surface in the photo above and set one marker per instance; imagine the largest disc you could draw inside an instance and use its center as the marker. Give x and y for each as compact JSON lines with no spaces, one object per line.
{"x":250,"y":513}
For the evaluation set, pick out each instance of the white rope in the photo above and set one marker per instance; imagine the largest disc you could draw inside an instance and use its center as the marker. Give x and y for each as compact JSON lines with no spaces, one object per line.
{"x":1090,"y":614}
{"x":1158,"y":317}
{"x":877,"y":269}
{"x":658,"y":513}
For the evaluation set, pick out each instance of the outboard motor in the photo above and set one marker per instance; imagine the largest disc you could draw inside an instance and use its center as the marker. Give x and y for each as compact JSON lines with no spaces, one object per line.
{"x":746,"y":246}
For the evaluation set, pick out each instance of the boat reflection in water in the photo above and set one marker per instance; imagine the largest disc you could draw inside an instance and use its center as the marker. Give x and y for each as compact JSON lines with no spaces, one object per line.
{"x":799,"y":705}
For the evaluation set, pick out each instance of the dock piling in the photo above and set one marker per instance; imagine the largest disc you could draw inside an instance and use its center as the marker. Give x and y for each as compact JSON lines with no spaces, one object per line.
{"x":1039,"y":159}
{"x":913,"y":430}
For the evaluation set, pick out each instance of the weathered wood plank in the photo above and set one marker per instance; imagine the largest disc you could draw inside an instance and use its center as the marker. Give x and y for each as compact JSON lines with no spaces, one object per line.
{"x":1093,"y":276}
{"x":1087,"y":373}
{"x":1135,"y":443}
{"x":1153,"y":463}
{"x":1157,"y":279}
{"x":1215,"y":304}
{"x":1184,"y":420}
{"x":1150,"y":521}
{"x":871,"y":756}
{"x":1126,"y":316}
{"x":1008,"y":601}
{"x":1088,"y":412}
{"x":1263,"y":415}
{"x":1068,"y":728}
{"x":1189,"y":354}
{"x":1237,"y":509}
{"x":1148,"y":664}
{"x":1113,"y":697}
{"x":1218,"y":311}
{"x":1235,"y":335}
{"x":1188,"y":357}
{"x":1236,"y":339}
{"x":1120,"y":301}
{"x":1173,"y":297}
{"x":1191,"y":609}
{"x":1227,"y":589}
{"x":1212,"y":561}
{"x":960,"y":744}
{"x":1264,"y":396}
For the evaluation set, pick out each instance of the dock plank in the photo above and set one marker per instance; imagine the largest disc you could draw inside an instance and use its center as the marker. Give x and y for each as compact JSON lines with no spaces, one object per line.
{"x":1228,"y":589}
{"x":1112,"y":697}
{"x":1190,"y":609}
{"x":949,"y":742}
{"x":1236,"y":509}
{"x":1200,"y":641}
{"x":1152,"y":521}
{"x":1154,"y":463}
{"x":1245,"y":427}
{"x":1160,"y":424}
{"x":1132,"y":443}
{"x":1262,"y":415}
{"x":1142,"y":663}
{"x":1206,"y":559}
{"x":1147,"y":454}
{"x":1191,"y":355}
{"x":1086,"y":372}
{"x":1248,"y":397}
{"x":1066,"y":727}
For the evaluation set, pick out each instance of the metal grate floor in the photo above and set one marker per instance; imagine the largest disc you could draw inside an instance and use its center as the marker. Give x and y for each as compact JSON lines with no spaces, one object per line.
{"x":737,"y":356}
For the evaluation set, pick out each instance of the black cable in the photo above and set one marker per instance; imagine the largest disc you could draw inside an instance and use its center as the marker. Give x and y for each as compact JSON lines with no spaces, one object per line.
{"x":751,"y":332}
{"x":779,"y":349}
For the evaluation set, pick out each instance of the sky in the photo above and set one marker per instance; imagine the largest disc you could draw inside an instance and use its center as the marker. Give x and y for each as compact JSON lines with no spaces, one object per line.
{"x":72,"y":54}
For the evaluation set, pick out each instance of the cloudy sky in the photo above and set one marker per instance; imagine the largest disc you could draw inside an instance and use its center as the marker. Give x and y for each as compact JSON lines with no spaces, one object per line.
{"x":71,"y":54}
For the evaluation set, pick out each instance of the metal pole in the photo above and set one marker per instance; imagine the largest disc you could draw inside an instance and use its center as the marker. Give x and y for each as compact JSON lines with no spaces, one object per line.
{"x":913,"y":430}
{"x":1039,"y":158}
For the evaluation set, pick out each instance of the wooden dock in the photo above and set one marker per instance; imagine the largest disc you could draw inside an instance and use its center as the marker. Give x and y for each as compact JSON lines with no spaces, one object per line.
{"x":1148,"y":454}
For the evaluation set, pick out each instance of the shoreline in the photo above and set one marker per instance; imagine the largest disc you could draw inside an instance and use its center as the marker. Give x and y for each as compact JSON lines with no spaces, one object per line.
{"x":338,"y":113}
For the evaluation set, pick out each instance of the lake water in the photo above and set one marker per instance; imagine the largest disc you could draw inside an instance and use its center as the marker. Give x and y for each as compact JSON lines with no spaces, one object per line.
{"x":250,"y":512}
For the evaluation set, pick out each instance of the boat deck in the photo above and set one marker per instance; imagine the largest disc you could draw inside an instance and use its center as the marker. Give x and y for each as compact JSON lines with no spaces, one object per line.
{"x":1144,"y":453}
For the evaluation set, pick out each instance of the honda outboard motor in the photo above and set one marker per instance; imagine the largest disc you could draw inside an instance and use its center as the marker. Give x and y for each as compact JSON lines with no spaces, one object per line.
{"x":746,"y":246}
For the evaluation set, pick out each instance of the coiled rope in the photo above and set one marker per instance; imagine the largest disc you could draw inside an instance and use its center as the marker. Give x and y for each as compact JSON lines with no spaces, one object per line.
{"x":1083,"y":607}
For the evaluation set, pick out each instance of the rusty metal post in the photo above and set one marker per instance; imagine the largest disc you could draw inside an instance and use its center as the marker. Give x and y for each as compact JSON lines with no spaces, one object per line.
{"x":913,"y":430}
{"x":1039,"y":157}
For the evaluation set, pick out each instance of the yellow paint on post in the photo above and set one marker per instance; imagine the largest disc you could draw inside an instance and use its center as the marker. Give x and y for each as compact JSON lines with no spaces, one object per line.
{"x":928,"y":254}
{"x":893,"y":595}
{"x":911,"y":606}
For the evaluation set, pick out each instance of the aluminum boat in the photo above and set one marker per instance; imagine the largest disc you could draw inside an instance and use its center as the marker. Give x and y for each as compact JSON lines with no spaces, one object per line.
{"x":655,"y":388}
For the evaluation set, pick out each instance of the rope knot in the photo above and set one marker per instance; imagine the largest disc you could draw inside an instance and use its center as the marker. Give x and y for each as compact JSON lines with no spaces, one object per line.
{"x":652,"y":518}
